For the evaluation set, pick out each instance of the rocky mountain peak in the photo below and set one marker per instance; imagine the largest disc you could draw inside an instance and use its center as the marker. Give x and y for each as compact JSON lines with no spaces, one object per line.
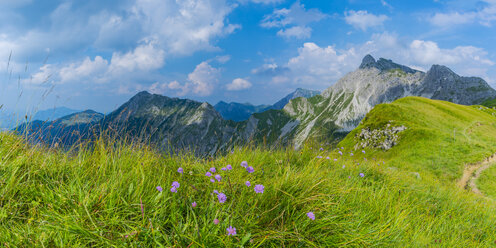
{"x":384,"y":65}
{"x":440,"y":70}
{"x":367,"y":62}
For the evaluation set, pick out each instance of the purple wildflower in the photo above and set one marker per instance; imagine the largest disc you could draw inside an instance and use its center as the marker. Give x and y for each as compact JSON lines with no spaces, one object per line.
{"x":362,"y":175}
{"x":159,"y":189}
{"x":229,"y":167}
{"x":351,"y":154}
{"x":244,"y":164}
{"x":175,"y":184}
{"x":248,"y":183}
{"x":231,"y":231}
{"x":250,"y":169}
{"x":173,"y":189}
{"x":213,"y":170}
{"x":259,"y":188}
{"x":222,"y":197}
{"x":321,"y":149}
{"x":216,"y":221}
{"x":363,"y":151}
{"x":224,"y":168}
{"x":208,"y":174}
{"x":311,"y":215}
{"x":216,"y":191}
{"x":342,"y":148}
{"x":212,"y":180}
{"x":180,"y":170}
{"x":218,"y":177}
{"x":343,"y":166}
{"x":335,"y":159}
{"x":319,"y":156}
{"x":340,"y":153}
{"x":328,"y":158}
{"x":194,"y":204}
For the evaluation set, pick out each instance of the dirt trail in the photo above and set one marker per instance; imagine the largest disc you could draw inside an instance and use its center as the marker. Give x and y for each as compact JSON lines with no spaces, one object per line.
{"x":472,"y":172}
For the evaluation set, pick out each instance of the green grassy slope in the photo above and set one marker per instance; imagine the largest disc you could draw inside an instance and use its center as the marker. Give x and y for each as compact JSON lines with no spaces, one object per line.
{"x":440,"y":137}
{"x":106,"y":195}
{"x":487,"y":182}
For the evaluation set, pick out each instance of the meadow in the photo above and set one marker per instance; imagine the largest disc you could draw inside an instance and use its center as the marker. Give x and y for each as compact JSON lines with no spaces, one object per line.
{"x":115,"y":193}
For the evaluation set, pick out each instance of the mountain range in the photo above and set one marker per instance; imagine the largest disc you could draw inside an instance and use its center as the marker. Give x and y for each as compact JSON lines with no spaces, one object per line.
{"x":177,"y":124}
{"x":242,"y":111}
{"x":9,"y":120}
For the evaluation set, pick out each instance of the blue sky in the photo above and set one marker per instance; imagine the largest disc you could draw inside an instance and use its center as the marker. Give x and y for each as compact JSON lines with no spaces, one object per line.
{"x":97,"y":54}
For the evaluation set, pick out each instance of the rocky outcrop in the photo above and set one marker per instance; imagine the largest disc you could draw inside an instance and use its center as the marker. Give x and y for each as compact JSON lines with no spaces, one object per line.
{"x":383,"y":138}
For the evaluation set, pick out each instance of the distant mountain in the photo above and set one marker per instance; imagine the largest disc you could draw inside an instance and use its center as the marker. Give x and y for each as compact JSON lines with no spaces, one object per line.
{"x":176,"y":124}
{"x":66,"y":130}
{"x":53,"y":113}
{"x":238,"y":111}
{"x":242,"y":111}
{"x":9,"y":120}
{"x":295,"y":94}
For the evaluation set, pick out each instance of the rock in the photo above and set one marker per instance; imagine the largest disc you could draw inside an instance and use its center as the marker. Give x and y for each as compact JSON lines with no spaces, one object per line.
{"x":384,"y":138}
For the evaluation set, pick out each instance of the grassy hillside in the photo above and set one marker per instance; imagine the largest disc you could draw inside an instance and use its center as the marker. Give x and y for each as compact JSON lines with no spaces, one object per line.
{"x":107,"y":195}
{"x":440,"y":137}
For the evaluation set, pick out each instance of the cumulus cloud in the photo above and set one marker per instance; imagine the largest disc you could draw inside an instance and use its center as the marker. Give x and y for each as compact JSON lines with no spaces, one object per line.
{"x":179,"y":28}
{"x":319,"y":66}
{"x":363,"y":20}
{"x":142,"y":35}
{"x":84,"y":70}
{"x":238,"y":84}
{"x":485,"y":16}
{"x":184,"y":27}
{"x":428,"y":52}
{"x":43,"y":76}
{"x":203,"y":79}
{"x":293,"y":22}
{"x":144,"y":58}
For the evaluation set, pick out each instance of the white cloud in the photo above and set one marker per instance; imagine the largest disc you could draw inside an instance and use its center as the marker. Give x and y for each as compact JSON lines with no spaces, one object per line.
{"x":238,"y":84}
{"x":183,"y":27}
{"x":293,"y":22}
{"x":122,"y":66}
{"x":203,"y":79}
{"x":449,"y":19}
{"x":428,"y":52}
{"x":43,"y":76}
{"x":80,"y":71}
{"x":223,"y":59}
{"x":145,"y":57}
{"x":485,"y":16}
{"x":316,"y":65}
{"x":299,"y":32}
{"x":178,"y":27}
{"x":363,"y":20}
{"x":319,"y":67}
{"x":201,"y":82}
